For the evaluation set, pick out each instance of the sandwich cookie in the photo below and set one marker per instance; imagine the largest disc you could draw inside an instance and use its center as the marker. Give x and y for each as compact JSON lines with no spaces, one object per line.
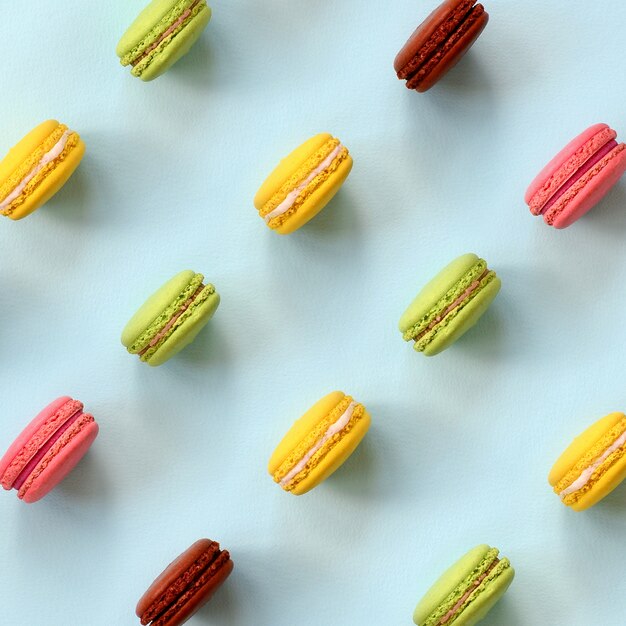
{"x":467,"y":591}
{"x":37,"y":167}
{"x":171,"y":318}
{"x":593,"y":465}
{"x":48,"y":449}
{"x":185,"y":585}
{"x":449,"y":305}
{"x":303,"y":183}
{"x":319,"y":443}
{"x":438,"y":44}
{"x":578,"y":177}
{"x":162,"y":33}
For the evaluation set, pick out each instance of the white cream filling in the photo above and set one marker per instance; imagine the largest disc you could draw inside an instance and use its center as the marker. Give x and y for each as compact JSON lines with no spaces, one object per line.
{"x":584,"y":478}
{"x":333,"y":429}
{"x":292,"y":196}
{"x":52,"y":154}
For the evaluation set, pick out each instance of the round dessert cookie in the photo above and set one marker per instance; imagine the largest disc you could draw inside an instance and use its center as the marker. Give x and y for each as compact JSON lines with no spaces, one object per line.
{"x":467,"y":591}
{"x":449,"y":305}
{"x":171,"y":318}
{"x":185,"y":585}
{"x":162,"y":33}
{"x":439,"y":42}
{"x":303,"y":183}
{"x":48,"y":449}
{"x":319,"y":443}
{"x":593,"y":465}
{"x":578,"y":177}
{"x":37,"y":167}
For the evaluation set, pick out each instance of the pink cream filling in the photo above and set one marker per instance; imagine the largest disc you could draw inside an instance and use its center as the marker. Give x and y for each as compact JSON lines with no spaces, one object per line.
{"x":166,"y":34}
{"x":159,"y":336}
{"x":578,"y":174}
{"x":464,"y":296}
{"x":452,"y":612}
{"x":32,"y":464}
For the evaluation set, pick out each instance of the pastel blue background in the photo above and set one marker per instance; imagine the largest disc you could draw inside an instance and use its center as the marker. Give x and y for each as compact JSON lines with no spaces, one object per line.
{"x":461,"y":444}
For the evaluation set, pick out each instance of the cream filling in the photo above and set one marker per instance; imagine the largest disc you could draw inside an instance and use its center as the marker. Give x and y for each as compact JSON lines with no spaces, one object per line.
{"x":333,"y":429}
{"x":49,"y":156}
{"x":586,"y":475}
{"x":292,"y":196}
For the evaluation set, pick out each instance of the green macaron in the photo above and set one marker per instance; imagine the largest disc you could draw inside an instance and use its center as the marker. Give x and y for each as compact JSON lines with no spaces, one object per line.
{"x":162,"y":33}
{"x":449,"y":305}
{"x":171,"y":318}
{"x":467,"y":591}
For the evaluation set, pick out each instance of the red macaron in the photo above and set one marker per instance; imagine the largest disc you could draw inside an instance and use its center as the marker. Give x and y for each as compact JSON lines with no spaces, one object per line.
{"x":185,"y":585}
{"x":439,"y":42}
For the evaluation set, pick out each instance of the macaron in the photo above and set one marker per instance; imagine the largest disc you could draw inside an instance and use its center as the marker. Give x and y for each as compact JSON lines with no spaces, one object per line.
{"x":439,"y":42}
{"x":467,"y":591}
{"x":578,"y":177}
{"x":37,"y":167}
{"x":319,"y":443}
{"x":449,"y":305}
{"x":593,"y":465}
{"x":185,"y":585}
{"x":303,"y":183}
{"x":171,"y":318}
{"x":48,"y":449}
{"x":162,"y":33}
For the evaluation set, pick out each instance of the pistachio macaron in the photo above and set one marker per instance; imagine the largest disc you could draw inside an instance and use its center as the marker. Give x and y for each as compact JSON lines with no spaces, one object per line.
{"x":171,"y":318}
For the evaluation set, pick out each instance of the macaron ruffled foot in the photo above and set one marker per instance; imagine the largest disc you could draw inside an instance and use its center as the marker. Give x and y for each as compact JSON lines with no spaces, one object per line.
{"x":303,"y":183}
{"x":37,"y":167}
{"x":186,"y":585}
{"x":593,"y":465}
{"x":449,"y":305}
{"x":171,"y":318}
{"x":162,"y":33}
{"x":467,"y":591}
{"x":319,"y":443}
{"x":48,"y":449}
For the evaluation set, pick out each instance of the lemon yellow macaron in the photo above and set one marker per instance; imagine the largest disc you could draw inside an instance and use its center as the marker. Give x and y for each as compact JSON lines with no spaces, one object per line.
{"x":593,"y":465}
{"x":37,"y":167}
{"x":319,"y":443}
{"x":303,"y":183}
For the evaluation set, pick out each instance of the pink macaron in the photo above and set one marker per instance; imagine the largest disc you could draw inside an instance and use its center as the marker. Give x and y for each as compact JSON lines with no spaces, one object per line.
{"x":48,"y":448}
{"x":578,"y":177}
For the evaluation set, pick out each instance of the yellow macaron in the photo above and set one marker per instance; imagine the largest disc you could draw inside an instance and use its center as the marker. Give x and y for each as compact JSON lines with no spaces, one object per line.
{"x":593,"y":465}
{"x":37,"y":167}
{"x":319,"y":443}
{"x":303,"y":183}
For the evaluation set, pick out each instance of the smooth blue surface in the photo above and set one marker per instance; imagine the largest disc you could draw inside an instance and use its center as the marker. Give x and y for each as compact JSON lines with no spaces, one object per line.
{"x":461,"y":444}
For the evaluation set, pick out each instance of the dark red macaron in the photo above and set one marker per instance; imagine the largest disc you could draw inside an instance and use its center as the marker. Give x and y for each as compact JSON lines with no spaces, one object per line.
{"x":186,"y":585}
{"x":439,"y":42}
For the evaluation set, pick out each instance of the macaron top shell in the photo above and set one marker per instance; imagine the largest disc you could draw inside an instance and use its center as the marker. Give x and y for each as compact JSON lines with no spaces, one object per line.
{"x":161,"y":34}
{"x":447,"y":592}
{"x":586,"y":449}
